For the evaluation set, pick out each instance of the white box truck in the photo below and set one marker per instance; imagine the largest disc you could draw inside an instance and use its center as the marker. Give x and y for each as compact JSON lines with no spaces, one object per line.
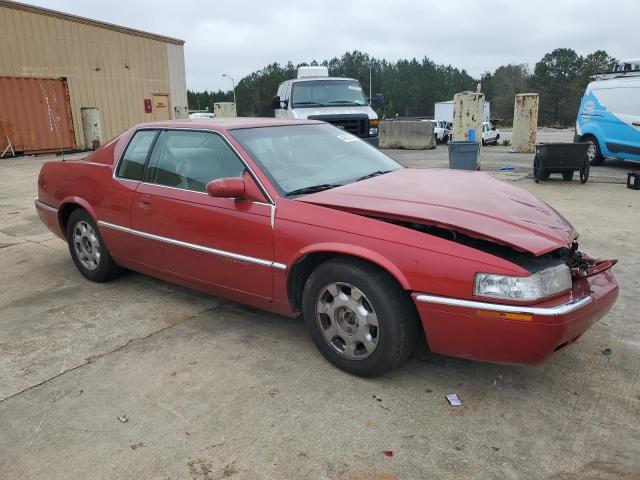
{"x":340,"y":101}
{"x":444,"y":111}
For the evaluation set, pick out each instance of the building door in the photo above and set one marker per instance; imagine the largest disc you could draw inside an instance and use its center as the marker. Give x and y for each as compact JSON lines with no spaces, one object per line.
{"x":161,"y":107}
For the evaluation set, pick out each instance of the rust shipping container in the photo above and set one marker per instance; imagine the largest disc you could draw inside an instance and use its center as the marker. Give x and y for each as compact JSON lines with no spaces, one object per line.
{"x":35,"y":115}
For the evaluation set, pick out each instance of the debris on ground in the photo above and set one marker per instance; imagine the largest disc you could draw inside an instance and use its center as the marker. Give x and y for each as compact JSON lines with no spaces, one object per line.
{"x":607,"y":351}
{"x":229,"y":469}
{"x":376,"y":398}
{"x":497,"y":380}
{"x":136,"y":446}
{"x":506,"y":168}
{"x":123,"y":418}
{"x":216,"y":445}
{"x":388,"y":453}
{"x":273,"y":393}
{"x":200,"y":469}
{"x":453,"y":399}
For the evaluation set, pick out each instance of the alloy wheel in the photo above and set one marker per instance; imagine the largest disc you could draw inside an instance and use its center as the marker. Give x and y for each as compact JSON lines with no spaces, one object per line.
{"x":347,"y":321}
{"x":86,"y":245}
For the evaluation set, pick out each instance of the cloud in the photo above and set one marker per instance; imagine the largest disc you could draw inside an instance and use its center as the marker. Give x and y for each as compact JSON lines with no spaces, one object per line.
{"x":238,"y":37}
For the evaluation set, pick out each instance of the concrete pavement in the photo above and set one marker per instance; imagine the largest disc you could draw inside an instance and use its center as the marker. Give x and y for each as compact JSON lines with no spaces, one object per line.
{"x":212,"y":389}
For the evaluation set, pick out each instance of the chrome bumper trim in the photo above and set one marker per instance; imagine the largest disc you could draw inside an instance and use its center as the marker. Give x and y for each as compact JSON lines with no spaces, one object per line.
{"x":44,"y":206}
{"x":193,"y":246}
{"x":556,"y":310}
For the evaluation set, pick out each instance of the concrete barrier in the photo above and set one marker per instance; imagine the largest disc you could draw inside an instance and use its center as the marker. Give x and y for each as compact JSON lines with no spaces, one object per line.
{"x":407,"y":134}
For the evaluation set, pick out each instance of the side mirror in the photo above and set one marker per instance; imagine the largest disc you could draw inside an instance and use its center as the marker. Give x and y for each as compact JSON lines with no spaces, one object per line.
{"x":231,"y":187}
{"x":278,"y":104}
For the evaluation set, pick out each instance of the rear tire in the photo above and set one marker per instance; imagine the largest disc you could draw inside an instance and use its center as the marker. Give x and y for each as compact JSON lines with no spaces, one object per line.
{"x":595,"y":155}
{"x":359,"y":317}
{"x":88,"y":250}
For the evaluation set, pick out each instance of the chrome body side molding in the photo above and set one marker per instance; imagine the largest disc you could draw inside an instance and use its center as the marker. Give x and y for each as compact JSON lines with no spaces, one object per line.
{"x":556,"y":310}
{"x":193,"y":246}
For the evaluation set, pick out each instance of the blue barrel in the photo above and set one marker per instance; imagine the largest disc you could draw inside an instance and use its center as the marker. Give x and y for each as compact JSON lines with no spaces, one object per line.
{"x":463,"y":155}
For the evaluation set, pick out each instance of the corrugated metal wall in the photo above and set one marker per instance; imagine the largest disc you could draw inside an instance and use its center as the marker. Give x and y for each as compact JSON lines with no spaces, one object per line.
{"x":35,"y":115}
{"x":105,"y":68}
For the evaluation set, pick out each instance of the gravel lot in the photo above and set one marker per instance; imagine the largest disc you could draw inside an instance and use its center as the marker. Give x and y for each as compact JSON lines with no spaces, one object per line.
{"x":212,"y":389}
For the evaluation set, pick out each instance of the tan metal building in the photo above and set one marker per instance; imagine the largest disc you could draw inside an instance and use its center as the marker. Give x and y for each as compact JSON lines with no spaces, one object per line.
{"x":130,"y":76}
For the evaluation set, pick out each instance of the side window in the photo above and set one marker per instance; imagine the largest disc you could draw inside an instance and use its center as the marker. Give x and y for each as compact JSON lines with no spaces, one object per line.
{"x":132,"y":163}
{"x":190,"y":160}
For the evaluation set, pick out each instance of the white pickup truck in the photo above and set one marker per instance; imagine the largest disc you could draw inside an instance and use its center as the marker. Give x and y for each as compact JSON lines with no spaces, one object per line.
{"x":441,"y":131}
{"x":490,"y":134}
{"x":340,"y":101}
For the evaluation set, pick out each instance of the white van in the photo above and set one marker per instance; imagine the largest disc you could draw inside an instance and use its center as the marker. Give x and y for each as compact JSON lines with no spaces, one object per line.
{"x":609,"y":115}
{"x":340,"y":101}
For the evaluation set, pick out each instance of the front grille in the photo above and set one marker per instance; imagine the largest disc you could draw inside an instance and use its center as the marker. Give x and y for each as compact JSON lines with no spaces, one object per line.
{"x":355,"y":124}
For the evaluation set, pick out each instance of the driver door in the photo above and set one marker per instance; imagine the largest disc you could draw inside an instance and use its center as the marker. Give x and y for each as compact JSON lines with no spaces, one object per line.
{"x":181,"y":231}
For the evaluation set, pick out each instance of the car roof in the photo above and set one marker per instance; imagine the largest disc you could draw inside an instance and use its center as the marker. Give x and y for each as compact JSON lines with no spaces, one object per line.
{"x":231,"y":123}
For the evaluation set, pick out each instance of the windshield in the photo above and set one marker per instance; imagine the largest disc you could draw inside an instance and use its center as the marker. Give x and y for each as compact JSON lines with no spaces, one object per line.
{"x":327,"y":93}
{"x":295,"y":157}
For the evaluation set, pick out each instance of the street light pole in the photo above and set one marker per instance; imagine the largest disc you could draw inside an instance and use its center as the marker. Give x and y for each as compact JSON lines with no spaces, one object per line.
{"x":233,"y":84}
{"x":369,"y":80}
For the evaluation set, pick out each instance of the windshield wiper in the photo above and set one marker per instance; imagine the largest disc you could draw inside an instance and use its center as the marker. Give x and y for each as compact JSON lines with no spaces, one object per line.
{"x":312,"y":189}
{"x":373,"y":174}
{"x":297,"y":104}
{"x":346,"y":102}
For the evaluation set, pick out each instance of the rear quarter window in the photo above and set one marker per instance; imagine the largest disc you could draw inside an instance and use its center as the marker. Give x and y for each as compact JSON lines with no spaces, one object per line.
{"x":132,"y":164}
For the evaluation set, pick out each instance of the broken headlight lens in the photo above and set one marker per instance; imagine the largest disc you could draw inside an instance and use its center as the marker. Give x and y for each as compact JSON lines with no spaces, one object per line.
{"x":539,"y":285}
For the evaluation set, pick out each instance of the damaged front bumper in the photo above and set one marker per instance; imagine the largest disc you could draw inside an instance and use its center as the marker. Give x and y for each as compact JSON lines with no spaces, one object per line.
{"x":515,"y":334}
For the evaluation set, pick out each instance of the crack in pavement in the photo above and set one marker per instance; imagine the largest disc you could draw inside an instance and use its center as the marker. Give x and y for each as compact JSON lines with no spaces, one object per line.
{"x":91,"y":359}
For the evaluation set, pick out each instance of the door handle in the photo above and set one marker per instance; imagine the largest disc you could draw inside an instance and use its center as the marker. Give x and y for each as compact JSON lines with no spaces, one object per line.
{"x":636,"y":124}
{"x":144,"y":201}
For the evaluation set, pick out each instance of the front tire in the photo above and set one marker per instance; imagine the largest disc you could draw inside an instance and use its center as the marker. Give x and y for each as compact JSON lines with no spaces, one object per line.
{"x":87,"y":248}
{"x":359,"y":317}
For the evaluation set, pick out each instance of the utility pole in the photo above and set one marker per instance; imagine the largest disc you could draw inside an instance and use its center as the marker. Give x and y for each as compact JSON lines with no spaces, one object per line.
{"x":233,"y":84}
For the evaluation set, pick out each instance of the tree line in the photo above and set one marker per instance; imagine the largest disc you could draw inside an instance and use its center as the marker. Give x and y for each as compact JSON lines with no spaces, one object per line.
{"x":411,"y":87}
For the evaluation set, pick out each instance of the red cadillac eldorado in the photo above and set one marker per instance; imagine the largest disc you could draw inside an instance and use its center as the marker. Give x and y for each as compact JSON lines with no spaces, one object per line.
{"x":300,"y":217}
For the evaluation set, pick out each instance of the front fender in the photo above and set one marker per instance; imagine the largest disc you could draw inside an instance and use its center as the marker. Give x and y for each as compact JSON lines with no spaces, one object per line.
{"x":355,"y":251}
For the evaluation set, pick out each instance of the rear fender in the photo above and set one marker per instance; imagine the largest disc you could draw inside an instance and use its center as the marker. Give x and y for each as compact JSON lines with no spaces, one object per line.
{"x":78,"y":201}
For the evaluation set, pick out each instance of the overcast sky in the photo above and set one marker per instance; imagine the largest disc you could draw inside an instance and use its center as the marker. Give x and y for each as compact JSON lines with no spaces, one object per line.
{"x":238,"y":37}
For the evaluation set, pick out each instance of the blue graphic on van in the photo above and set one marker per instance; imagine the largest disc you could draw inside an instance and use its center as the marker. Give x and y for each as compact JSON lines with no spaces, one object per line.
{"x":616,"y":138}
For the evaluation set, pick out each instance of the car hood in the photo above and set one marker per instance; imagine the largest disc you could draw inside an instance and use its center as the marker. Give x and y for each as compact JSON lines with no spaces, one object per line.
{"x":303,"y":113}
{"x":470,"y":203}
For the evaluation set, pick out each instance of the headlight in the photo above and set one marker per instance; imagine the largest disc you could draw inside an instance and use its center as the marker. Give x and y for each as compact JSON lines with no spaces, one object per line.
{"x":539,"y":285}
{"x":373,"y":131}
